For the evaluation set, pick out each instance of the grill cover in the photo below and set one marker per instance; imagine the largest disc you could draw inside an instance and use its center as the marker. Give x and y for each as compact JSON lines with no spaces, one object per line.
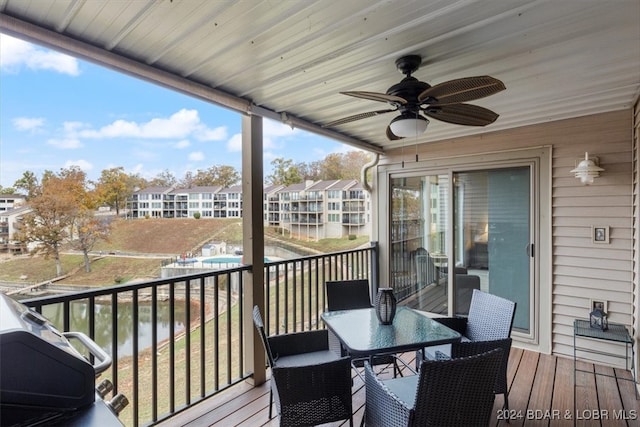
{"x":38,"y":365}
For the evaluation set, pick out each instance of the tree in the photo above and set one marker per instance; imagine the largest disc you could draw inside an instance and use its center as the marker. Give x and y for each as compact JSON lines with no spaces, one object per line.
{"x":223,"y":175}
{"x":163,"y":179}
{"x":29,"y":184}
{"x":7,"y":190}
{"x":284,"y":172}
{"x":344,"y":165}
{"x":114,"y":188}
{"x":331,"y":167}
{"x":334,"y":166}
{"x":353,"y":162}
{"x":58,"y":202}
{"x":91,"y":229}
{"x":310,"y":171}
{"x":75,"y":182}
{"x":52,"y":216}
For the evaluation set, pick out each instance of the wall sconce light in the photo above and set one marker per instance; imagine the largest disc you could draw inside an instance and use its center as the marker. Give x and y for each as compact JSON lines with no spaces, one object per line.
{"x":587,"y":170}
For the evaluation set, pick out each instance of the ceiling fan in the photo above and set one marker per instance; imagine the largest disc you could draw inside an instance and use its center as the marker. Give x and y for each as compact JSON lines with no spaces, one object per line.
{"x":444,"y":101}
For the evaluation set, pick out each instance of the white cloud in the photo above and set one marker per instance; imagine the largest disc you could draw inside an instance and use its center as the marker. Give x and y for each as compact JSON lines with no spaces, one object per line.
{"x":216,"y":134}
{"x":196,"y":156}
{"x":65,"y":143}
{"x":235,"y":143}
{"x":274,"y":135}
{"x":181,"y":124}
{"x":268,"y":156}
{"x":184,"y":143}
{"x":147,"y":155}
{"x":138,"y":169}
{"x":276,"y":129}
{"x":72,"y":127}
{"x":18,"y":54}
{"x":82,"y":164}
{"x":28,"y":123}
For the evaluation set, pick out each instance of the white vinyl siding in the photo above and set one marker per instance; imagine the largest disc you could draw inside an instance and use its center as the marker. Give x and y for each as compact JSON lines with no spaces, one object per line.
{"x":579,"y":270}
{"x":584,"y":270}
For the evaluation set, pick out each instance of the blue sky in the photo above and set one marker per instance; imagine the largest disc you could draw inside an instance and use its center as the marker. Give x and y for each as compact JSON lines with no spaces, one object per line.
{"x":57,"y":111}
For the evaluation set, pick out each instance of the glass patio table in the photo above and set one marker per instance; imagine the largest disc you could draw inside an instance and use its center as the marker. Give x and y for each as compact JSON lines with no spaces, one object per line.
{"x":362,"y":334}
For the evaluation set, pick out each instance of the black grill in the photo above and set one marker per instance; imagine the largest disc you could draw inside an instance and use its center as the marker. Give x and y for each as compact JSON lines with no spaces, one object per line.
{"x":44,"y":380}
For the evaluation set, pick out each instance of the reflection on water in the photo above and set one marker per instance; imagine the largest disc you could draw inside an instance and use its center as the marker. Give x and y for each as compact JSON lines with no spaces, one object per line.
{"x":104,"y":321}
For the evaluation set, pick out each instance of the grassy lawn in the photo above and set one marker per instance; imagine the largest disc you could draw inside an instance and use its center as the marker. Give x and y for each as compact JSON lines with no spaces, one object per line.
{"x":217,"y":333}
{"x":166,"y":238}
{"x":163,"y":237}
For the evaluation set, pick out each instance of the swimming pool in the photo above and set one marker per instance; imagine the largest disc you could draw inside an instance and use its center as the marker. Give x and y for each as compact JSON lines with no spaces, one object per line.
{"x":228,"y":260}
{"x":223,"y":260}
{"x":187,"y":260}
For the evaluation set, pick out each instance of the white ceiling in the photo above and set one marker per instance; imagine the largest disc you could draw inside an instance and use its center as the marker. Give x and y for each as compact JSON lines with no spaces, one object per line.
{"x":558,"y":59}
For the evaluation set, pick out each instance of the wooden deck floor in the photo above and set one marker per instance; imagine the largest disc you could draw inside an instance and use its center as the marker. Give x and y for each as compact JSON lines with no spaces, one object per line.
{"x":541,"y":394}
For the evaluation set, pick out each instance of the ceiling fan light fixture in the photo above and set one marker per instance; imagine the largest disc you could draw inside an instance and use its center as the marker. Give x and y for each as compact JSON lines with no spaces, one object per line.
{"x":406,"y":126}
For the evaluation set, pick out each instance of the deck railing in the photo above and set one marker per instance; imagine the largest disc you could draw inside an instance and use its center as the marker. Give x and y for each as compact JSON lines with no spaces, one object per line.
{"x":177,"y":341}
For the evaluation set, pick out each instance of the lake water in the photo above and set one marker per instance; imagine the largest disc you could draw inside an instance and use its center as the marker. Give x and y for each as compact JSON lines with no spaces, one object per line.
{"x":103,"y":322}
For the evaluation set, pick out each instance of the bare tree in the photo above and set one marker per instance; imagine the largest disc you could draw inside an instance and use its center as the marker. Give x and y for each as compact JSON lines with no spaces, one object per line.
{"x":91,"y":229}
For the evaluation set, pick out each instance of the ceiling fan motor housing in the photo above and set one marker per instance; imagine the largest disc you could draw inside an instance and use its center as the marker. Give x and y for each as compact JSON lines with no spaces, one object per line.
{"x":409,"y":89}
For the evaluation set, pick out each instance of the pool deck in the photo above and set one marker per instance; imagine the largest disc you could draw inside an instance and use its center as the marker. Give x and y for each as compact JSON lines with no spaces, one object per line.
{"x":208,"y":262}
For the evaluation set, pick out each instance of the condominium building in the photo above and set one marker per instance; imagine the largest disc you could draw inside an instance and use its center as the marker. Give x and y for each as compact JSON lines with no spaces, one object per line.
{"x":12,"y":208}
{"x":309,"y":210}
{"x":11,"y":201}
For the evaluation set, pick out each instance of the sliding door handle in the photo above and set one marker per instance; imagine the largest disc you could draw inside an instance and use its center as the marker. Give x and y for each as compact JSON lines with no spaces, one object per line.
{"x":531,"y":250}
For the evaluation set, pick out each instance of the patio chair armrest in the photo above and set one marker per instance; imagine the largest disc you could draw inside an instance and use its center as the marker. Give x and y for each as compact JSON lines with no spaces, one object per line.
{"x":301,"y":386}
{"x":299,"y":342}
{"x":470,"y":348}
{"x":383,"y":408}
{"x":458,"y":324}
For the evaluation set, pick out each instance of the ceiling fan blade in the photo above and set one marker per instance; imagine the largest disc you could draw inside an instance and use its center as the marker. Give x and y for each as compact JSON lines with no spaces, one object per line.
{"x":462,"y":90}
{"x":462,"y":114}
{"x":392,"y":136}
{"x":357,"y":117}
{"x":375,"y":96}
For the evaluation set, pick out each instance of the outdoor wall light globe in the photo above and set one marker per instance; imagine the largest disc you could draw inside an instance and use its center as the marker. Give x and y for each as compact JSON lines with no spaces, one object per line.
{"x":587,"y":170}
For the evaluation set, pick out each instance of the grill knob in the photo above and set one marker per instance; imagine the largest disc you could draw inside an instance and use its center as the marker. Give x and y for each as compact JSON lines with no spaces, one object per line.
{"x":104,"y":388}
{"x":118,"y":403}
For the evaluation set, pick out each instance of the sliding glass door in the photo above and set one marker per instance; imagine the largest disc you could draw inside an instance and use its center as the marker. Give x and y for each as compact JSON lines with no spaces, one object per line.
{"x":493,"y":237}
{"x":460,"y":230}
{"x":419,"y":213}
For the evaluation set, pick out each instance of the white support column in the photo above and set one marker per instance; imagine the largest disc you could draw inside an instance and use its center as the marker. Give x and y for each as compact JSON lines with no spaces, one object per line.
{"x":253,"y":241}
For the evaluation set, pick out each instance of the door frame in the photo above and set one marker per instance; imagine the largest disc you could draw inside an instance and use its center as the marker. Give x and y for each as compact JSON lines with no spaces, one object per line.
{"x":540,"y":336}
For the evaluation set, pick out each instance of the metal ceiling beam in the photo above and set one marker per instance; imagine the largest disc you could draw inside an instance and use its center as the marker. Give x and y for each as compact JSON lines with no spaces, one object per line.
{"x":60,"y":42}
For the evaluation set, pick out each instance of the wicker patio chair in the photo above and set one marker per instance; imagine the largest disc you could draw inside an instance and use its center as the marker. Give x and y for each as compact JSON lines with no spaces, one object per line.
{"x":490,"y":319}
{"x":469,"y":348}
{"x":445,"y":393}
{"x":348,"y":295}
{"x":465,"y":284}
{"x":310,"y":383}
